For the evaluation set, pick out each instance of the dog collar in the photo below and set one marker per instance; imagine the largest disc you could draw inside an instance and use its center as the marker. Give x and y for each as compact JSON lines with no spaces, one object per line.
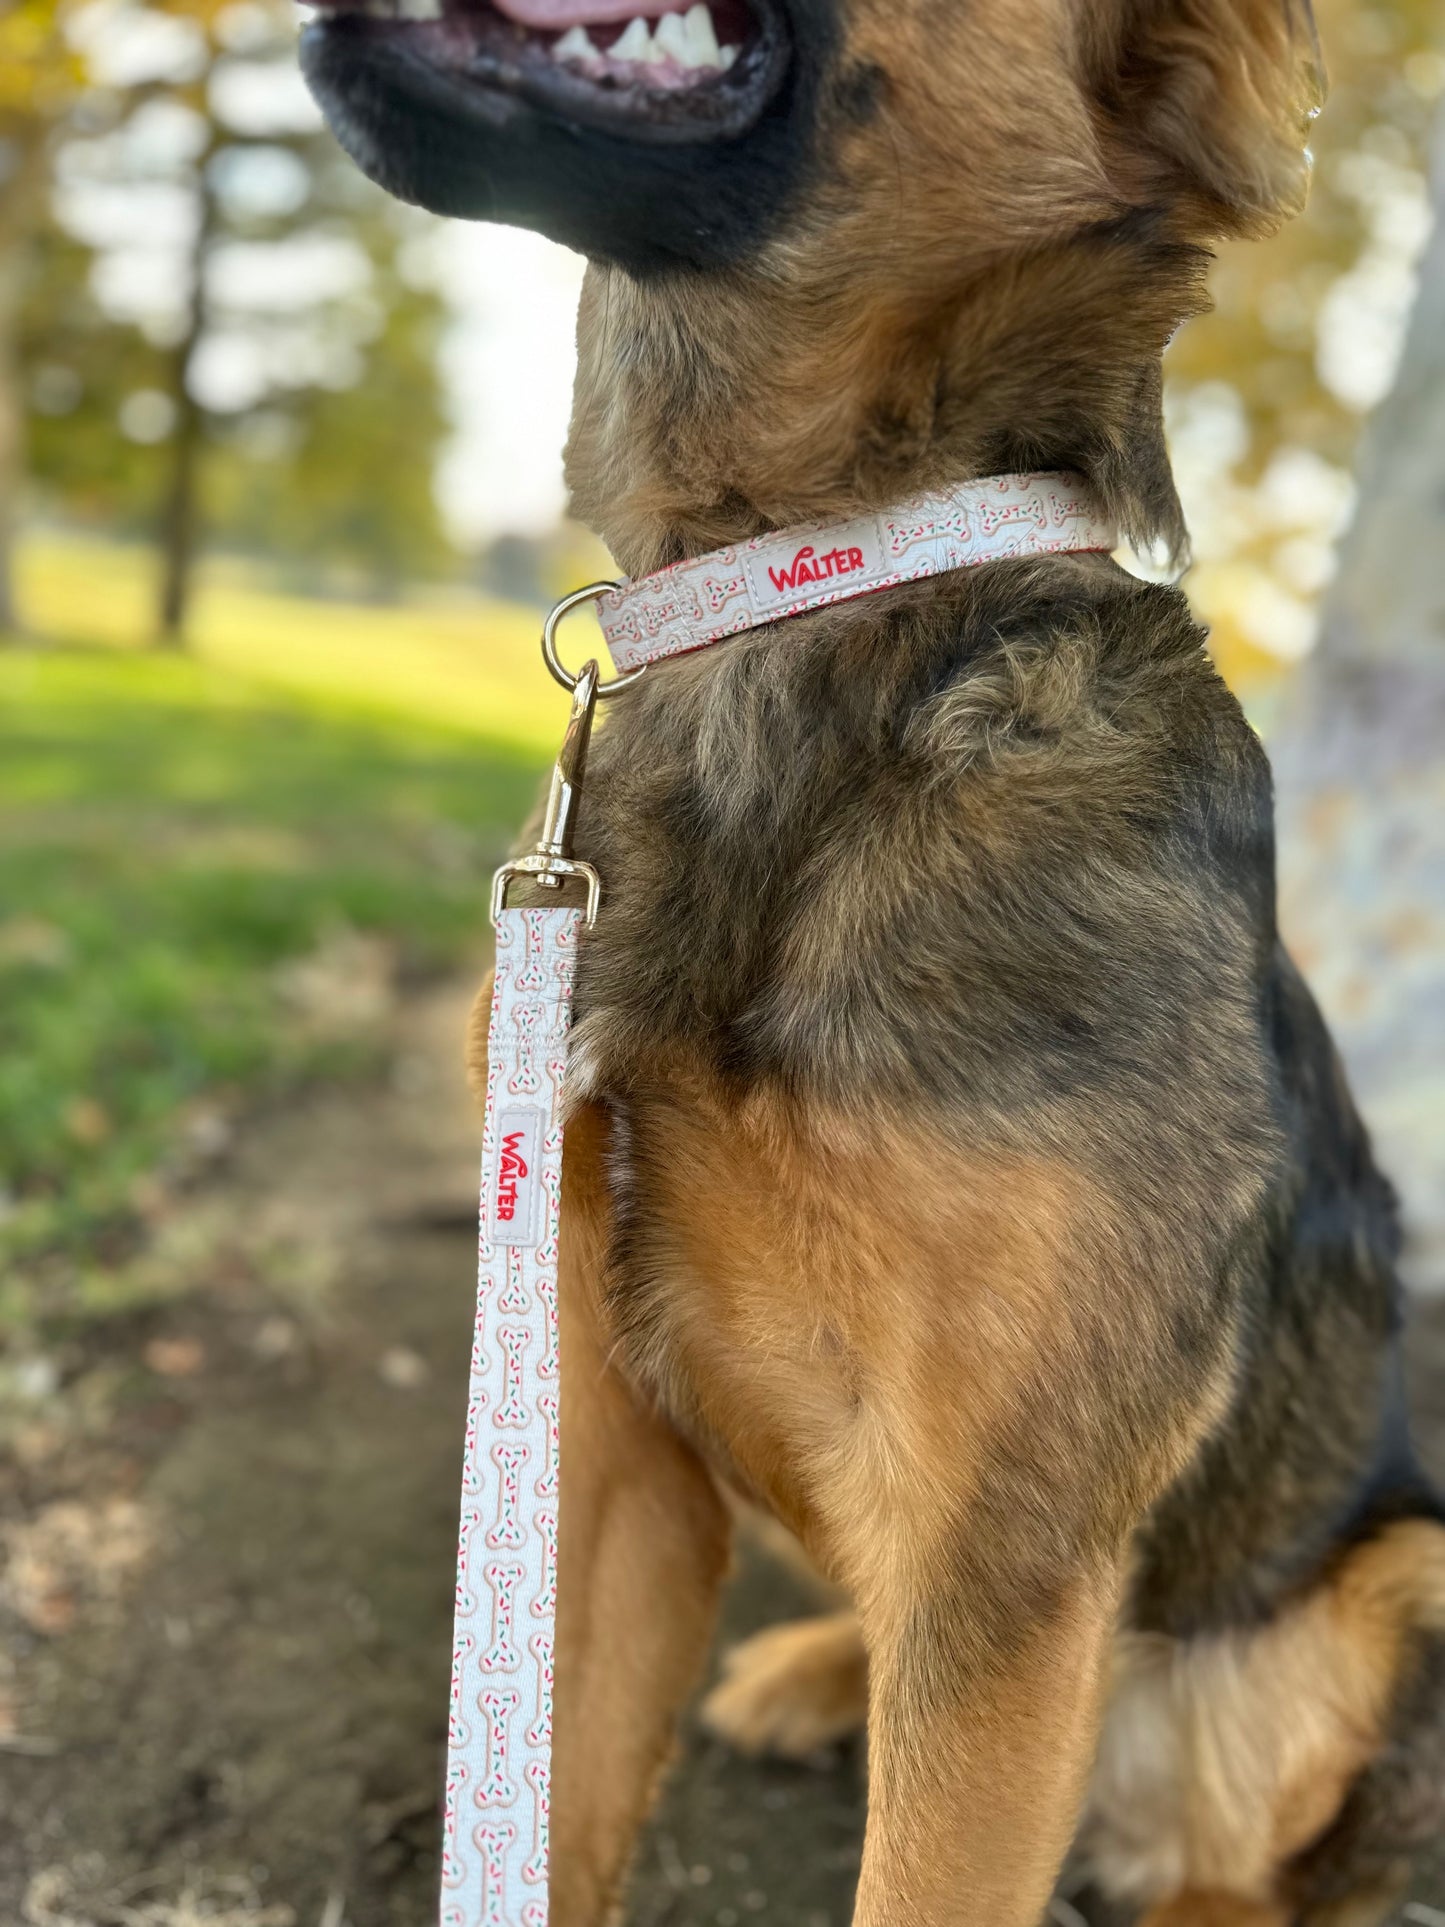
{"x":791,"y":571}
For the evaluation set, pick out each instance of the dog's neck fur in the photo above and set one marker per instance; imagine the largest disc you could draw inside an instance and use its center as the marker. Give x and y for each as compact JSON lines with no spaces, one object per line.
{"x":707,"y":412}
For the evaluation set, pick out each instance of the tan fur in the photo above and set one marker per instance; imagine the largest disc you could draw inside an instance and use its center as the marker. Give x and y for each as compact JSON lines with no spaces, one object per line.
{"x":1223,"y":1758}
{"x":1370,"y":1906}
{"x":828,"y":1400}
{"x":829,"y":1397}
{"x":793,"y":1689}
{"x":1215,"y":1910}
{"x":1227,"y":1910}
{"x":1220,"y":96}
{"x":478,"y":1021}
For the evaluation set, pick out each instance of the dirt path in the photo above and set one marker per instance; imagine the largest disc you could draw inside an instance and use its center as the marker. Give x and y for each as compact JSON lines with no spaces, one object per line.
{"x":226,"y":1621}
{"x":248,"y":1679}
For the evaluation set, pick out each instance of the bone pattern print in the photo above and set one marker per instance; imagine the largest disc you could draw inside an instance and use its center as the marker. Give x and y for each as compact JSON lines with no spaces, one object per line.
{"x":498,"y":1789}
{"x":789,"y":573}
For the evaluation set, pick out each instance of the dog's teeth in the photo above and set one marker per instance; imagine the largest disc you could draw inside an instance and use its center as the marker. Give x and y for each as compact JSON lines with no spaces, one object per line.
{"x":635,"y":44}
{"x":688,"y":38}
{"x":670,"y":39}
{"x":417,"y":12}
{"x":575,"y":44}
{"x":702,"y":47}
{"x":726,"y":57}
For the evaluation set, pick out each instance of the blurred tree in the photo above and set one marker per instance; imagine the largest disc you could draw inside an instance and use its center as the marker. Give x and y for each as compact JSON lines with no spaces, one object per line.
{"x":336,"y":474}
{"x":39,"y":78}
{"x":220,"y":287}
{"x":1362,"y":779}
{"x":78,"y":371}
{"x":1266,"y":395}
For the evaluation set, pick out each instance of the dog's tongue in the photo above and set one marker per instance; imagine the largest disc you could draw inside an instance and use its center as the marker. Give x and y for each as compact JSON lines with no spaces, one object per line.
{"x":556,"y":16}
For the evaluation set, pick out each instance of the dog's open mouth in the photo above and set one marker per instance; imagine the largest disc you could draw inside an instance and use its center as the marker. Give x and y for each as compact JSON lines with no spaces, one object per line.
{"x":636,"y":68}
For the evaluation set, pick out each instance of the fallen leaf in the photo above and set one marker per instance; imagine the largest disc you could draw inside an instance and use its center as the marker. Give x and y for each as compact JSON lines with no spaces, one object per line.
{"x":175,"y":1357}
{"x":404,"y":1370}
{"x":87,"y":1121}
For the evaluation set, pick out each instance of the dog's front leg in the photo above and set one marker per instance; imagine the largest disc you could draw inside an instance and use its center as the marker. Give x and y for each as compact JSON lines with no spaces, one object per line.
{"x":980,"y":1739}
{"x":963,"y":1424}
{"x":643,"y":1548}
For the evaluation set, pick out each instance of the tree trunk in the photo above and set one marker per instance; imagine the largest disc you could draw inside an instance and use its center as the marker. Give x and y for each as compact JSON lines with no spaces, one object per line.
{"x":1360,"y":765}
{"x":17,"y":211}
{"x":180,"y":509}
{"x":12,"y":464}
{"x":179,"y":530}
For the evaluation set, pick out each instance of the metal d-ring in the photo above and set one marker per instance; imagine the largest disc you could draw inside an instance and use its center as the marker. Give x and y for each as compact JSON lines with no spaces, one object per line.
{"x":594,"y":592}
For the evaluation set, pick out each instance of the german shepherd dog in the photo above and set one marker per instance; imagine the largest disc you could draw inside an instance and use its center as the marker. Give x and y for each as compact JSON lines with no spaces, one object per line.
{"x":958,"y":1168}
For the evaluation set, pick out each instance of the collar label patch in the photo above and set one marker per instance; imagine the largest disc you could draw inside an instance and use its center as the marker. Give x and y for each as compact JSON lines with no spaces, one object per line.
{"x":794,"y":565}
{"x":512,"y":1213}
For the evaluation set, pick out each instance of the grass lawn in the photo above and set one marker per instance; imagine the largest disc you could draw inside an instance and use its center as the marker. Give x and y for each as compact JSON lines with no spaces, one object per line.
{"x":447,"y":657}
{"x":200,"y":855}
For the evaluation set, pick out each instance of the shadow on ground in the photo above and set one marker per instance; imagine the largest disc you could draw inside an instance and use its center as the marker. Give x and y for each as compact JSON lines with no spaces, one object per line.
{"x":226,"y":1605}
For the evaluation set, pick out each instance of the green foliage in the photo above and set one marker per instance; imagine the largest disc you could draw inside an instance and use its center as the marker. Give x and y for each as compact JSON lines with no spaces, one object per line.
{"x":325,"y":448}
{"x":1386,"y":78}
{"x":39,"y":73}
{"x":173,"y":843}
{"x":78,"y":369}
{"x":345,"y":475}
{"x":1268,"y":394}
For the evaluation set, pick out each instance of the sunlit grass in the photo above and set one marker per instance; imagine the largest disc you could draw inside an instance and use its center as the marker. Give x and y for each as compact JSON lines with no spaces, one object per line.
{"x":449,"y":657}
{"x":177,"y":842}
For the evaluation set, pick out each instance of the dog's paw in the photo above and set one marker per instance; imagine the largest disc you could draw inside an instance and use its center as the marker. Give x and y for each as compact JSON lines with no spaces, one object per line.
{"x":793,"y":1689}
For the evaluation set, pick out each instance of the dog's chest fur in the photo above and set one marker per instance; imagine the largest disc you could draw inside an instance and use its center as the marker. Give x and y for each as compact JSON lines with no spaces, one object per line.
{"x":985,"y":868}
{"x":998,"y":847}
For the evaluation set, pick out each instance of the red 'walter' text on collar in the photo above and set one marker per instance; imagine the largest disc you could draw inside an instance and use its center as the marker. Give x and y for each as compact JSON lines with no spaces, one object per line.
{"x":788,"y":565}
{"x":809,"y":566}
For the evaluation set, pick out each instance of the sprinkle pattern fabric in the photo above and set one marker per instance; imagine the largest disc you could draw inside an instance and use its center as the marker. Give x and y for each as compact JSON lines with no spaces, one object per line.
{"x":797,"y":570}
{"x":499,"y":1754}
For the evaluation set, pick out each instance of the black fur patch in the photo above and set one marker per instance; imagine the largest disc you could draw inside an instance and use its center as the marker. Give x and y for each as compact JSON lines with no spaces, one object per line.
{"x":485,"y":156}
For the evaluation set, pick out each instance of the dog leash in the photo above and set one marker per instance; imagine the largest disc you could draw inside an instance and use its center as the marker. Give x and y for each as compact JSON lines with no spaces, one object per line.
{"x":499,"y":1743}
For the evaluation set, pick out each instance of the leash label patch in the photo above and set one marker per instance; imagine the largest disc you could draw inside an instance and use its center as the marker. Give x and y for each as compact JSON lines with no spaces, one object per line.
{"x":512,"y":1201}
{"x":789,"y":569}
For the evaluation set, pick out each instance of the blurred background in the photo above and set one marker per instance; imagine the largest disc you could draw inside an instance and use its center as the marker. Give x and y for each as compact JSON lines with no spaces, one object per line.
{"x":280,"y":504}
